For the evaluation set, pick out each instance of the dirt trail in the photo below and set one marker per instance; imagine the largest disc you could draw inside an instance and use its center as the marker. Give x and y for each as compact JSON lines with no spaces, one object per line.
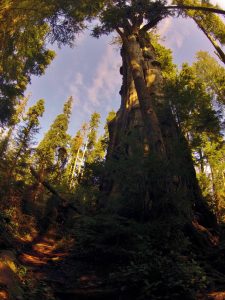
{"x":48,"y":248}
{"x":51,"y":262}
{"x":42,"y":259}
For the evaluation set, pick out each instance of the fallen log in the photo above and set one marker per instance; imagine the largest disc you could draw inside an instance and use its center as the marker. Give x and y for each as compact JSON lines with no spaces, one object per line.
{"x":63,"y":205}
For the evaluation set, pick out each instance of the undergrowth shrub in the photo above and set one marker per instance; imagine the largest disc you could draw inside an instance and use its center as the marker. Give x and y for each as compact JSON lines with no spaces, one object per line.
{"x":149,"y":260}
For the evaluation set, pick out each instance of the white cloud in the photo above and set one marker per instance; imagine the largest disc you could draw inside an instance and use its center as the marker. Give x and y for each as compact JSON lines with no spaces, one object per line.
{"x":221,"y":3}
{"x":90,"y":96}
{"x":75,"y":87}
{"x":177,"y":31}
{"x":81,"y":38}
{"x":106,"y":77}
{"x":165,"y":26}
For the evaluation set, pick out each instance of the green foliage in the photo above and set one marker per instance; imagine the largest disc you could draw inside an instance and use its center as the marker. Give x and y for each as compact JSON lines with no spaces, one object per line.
{"x":75,"y":153}
{"x":212,"y":74}
{"x":103,"y":238}
{"x":214,"y":150}
{"x":97,"y":147}
{"x":192,"y":94}
{"x":16,"y":118}
{"x":86,"y":196}
{"x":25,"y":137}
{"x":149,"y":261}
{"x":92,"y":136}
{"x":114,"y":16}
{"x":205,"y":184}
{"x":192,"y":104}
{"x":13,"y":223}
{"x":164,"y":277}
{"x":27,"y":131}
{"x":52,"y":150}
{"x":104,"y":140}
{"x":22,"y":272}
{"x":23,"y":53}
{"x":164,"y":56}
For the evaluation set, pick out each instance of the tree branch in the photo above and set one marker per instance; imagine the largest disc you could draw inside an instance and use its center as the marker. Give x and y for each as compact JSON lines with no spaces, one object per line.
{"x":219,"y":53}
{"x":201,"y":8}
{"x":47,"y":185}
{"x":155,"y":21}
{"x":151,"y":24}
{"x":120,"y":32}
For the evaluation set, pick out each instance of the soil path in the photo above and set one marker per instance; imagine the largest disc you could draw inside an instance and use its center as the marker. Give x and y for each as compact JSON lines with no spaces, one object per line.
{"x":48,"y":248}
{"x":50,"y":262}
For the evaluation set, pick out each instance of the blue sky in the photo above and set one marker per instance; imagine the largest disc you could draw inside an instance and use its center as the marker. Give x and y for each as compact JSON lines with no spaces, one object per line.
{"x":90,"y":72}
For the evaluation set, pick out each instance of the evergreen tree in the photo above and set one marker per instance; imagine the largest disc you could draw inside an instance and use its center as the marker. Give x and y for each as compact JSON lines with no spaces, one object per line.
{"x":14,"y":120}
{"x":212,"y":74}
{"x":100,"y":144}
{"x":106,"y":135}
{"x":25,"y":29}
{"x":76,"y":152}
{"x":92,"y":137}
{"x":23,"y":53}
{"x":211,"y":176}
{"x":192,"y":102}
{"x":26,"y":132}
{"x":52,"y":150}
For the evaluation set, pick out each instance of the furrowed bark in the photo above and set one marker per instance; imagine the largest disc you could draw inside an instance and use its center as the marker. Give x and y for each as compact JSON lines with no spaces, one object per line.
{"x":150,"y":119}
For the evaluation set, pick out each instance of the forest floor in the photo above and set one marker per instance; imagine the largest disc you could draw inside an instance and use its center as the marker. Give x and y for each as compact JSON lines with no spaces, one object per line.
{"x":49,"y":270}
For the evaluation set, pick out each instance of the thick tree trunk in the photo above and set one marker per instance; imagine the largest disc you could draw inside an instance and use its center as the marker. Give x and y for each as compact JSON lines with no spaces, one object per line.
{"x":146,"y":111}
{"x":145,"y":96}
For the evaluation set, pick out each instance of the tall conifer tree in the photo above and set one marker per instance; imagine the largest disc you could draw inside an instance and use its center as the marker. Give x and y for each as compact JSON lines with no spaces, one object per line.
{"x":76,"y":152}
{"x":14,"y":120}
{"x":25,"y":134}
{"x":53,"y":148}
{"x":92,"y":137}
